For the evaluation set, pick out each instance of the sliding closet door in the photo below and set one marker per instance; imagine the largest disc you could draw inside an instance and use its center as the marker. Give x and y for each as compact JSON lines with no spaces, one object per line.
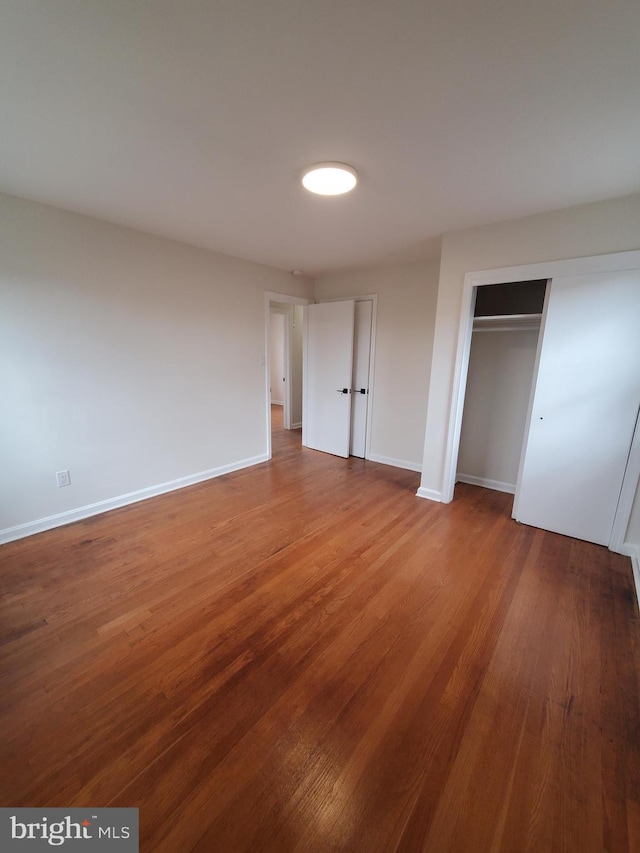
{"x":585,"y":405}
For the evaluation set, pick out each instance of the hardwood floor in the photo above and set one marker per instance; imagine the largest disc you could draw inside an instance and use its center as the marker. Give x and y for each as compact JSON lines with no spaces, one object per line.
{"x":303,"y":656}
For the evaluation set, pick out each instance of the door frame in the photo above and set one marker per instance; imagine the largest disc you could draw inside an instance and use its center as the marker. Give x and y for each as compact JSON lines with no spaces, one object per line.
{"x":616,"y":262}
{"x":371,"y":297}
{"x":285,"y":298}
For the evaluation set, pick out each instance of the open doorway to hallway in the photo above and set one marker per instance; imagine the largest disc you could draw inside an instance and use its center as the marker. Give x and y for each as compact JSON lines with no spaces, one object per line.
{"x":283,"y":440}
{"x":284,"y":334}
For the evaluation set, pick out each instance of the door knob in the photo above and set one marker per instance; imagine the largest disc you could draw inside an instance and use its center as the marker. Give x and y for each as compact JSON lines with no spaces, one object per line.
{"x":358,"y":390}
{"x":343,"y":390}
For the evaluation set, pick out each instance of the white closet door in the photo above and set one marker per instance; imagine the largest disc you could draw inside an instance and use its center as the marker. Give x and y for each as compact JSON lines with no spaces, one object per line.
{"x":585,"y":404}
{"x":360,"y":385}
{"x":329,"y":362}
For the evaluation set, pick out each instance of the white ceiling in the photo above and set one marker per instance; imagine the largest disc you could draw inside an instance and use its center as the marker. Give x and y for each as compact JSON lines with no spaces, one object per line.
{"x":194,"y":118}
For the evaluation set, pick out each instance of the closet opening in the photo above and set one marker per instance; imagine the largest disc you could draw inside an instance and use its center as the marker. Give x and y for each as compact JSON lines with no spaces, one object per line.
{"x":504,"y":345}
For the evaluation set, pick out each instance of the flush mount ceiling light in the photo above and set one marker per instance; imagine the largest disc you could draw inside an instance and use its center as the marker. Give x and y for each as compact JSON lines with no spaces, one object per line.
{"x":330,"y":178}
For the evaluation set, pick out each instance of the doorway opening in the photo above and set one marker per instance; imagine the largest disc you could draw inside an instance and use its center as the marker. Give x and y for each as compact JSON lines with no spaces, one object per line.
{"x":290,"y":372}
{"x":502,"y":359}
{"x":284,"y":335}
{"x":339,"y":362}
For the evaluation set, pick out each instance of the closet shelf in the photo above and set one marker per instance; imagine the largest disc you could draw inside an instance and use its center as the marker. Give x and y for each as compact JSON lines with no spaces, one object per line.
{"x":507,"y":322}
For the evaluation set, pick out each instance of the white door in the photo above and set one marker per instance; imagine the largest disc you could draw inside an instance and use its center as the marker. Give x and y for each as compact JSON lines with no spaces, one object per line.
{"x":329,"y":349}
{"x":360,"y":383}
{"x":585,"y":404}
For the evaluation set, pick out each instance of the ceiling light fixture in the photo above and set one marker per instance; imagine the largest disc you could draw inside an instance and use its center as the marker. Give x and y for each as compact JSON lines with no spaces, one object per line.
{"x":330,"y":178}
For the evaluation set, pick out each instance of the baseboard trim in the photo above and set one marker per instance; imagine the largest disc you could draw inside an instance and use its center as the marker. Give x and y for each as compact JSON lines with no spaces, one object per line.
{"x":297,"y":426}
{"x":396,"y":463}
{"x":496,"y":485}
{"x":30,"y":528}
{"x":633,"y":551}
{"x":429,"y":494}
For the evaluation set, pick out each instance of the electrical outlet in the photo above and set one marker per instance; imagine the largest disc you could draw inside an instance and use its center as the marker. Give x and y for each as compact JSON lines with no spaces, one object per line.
{"x":63,"y":478}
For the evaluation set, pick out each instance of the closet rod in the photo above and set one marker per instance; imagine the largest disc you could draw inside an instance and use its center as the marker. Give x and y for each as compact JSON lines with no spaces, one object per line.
{"x":507,"y":323}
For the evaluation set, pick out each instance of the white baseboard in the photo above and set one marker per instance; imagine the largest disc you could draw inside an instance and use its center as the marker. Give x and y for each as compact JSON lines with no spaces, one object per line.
{"x":396,"y":463}
{"x":20,"y":531}
{"x":429,"y":494}
{"x":277,"y":402}
{"x":633,"y":551}
{"x":496,"y":485}
{"x":297,"y":426}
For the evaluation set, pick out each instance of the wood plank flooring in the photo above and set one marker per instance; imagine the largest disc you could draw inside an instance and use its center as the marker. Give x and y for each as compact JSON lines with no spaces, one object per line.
{"x":303,"y":656}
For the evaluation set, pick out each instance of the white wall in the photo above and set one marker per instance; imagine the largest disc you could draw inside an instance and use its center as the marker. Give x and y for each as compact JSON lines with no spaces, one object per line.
{"x":404,"y":336}
{"x":129,"y":359}
{"x":592,"y":229}
{"x":296,"y":366}
{"x":495,"y":406}
{"x":277,"y":355}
